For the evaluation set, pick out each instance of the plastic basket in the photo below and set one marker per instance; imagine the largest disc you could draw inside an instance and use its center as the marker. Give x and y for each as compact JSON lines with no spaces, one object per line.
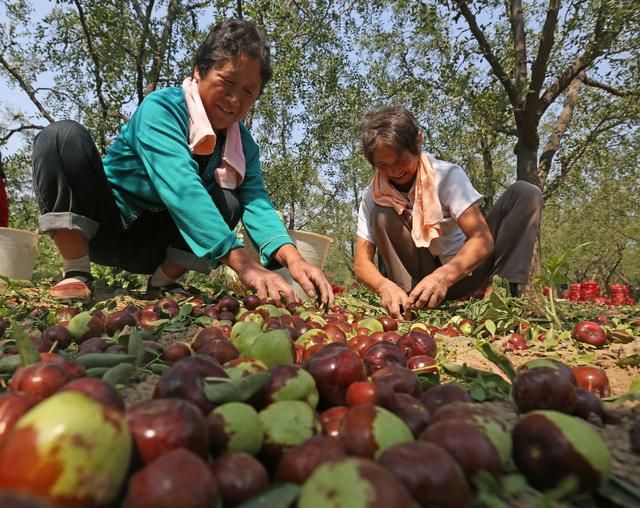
{"x":17,"y":253}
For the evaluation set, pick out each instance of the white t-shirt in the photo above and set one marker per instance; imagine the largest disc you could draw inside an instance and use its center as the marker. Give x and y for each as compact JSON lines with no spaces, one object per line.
{"x":456,"y":195}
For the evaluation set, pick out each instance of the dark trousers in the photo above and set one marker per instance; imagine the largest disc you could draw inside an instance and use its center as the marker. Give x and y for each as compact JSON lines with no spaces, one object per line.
{"x":513,"y":220}
{"x":73,"y":192}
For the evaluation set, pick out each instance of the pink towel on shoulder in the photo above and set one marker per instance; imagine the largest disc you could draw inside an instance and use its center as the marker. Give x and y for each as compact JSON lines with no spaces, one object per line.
{"x":231,"y":173}
{"x":427,"y":210}
{"x":202,"y":139}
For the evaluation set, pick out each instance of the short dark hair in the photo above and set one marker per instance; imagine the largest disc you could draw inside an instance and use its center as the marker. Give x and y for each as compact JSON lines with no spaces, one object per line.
{"x":394,"y":126}
{"x":229,"y":39}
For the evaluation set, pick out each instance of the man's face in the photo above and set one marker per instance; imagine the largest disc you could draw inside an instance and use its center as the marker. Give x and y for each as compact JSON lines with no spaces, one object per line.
{"x":229,"y":89}
{"x":399,"y":166}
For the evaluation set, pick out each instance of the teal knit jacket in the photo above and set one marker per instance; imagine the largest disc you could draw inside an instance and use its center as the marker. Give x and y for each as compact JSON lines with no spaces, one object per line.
{"x":150,"y":167}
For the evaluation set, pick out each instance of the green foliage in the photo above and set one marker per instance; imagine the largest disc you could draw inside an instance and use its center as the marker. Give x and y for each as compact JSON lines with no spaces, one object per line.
{"x":554,"y":266}
{"x":117,"y":278}
{"x":94,"y":61}
{"x":605,"y":216}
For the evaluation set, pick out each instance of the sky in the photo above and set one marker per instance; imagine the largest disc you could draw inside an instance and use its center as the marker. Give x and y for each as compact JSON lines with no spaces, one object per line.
{"x":11,"y":95}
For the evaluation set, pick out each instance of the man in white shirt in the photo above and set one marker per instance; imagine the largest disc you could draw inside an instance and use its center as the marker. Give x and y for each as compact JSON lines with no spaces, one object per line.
{"x":423,"y":216}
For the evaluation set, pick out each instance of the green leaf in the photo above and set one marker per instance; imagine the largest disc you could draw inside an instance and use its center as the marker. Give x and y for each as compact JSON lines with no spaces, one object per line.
{"x":185,"y":309}
{"x":513,"y":484}
{"x":119,"y":374}
{"x":568,"y":485}
{"x":158,"y":322}
{"x":587,"y":358}
{"x":478,"y":393}
{"x":204,"y":321}
{"x":26,"y":348}
{"x":8,"y":364}
{"x":489,"y":491}
{"x":428,"y":380}
{"x":235,"y":390}
{"x":281,"y":495}
{"x":629,"y":361}
{"x":472,"y":375}
{"x":158,"y":368}
{"x":177,"y":324}
{"x":634,"y":387}
{"x":498,"y":302}
{"x":486,"y":482}
{"x":498,"y":359}
{"x":135,"y":347}
{"x":490,"y":326}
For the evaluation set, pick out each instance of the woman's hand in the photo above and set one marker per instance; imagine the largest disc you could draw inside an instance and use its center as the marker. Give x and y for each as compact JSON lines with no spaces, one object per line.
{"x":265,"y":283}
{"x":311,"y":280}
{"x":429,"y":292}
{"x":394,"y":300}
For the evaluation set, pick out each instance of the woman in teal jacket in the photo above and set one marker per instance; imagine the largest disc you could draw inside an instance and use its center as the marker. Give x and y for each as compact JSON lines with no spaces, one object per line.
{"x":170,"y":190}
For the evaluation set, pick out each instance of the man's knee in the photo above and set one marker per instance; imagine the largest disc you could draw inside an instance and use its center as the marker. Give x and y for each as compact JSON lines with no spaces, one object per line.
{"x":530,"y":194}
{"x":386,"y":218}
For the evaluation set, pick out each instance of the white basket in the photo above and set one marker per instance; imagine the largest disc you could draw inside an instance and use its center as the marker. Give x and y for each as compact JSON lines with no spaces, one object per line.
{"x":313,"y":247}
{"x":17,"y":253}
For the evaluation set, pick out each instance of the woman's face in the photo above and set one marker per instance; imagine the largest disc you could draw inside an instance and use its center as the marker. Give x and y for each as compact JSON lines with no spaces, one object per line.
{"x":398,"y":165}
{"x":229,"y":89}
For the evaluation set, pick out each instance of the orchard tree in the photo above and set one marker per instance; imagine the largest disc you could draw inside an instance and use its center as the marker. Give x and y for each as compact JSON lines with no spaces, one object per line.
{"x":542,"y":53}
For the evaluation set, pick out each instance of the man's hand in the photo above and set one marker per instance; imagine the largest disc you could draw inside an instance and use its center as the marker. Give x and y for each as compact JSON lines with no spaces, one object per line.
{"x":429,"y":292}
{"x":311,"y":280}
{"x":394,"y":300}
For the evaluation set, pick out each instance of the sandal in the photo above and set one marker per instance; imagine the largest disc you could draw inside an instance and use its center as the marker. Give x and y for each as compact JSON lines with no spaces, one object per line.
{"x":76,"y":290}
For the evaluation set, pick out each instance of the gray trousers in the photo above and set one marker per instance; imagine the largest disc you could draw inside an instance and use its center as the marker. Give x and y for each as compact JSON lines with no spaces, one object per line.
{"x":513,"y":220}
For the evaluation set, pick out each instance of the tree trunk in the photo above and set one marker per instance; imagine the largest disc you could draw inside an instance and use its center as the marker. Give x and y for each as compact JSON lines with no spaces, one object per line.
{"x":536,"y":260}
{"x":526,"y":151}
{"x":489,"y":183}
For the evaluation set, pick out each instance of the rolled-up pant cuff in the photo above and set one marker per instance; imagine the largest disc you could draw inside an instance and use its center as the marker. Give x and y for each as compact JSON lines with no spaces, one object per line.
{"x":188,"y":259}
{"x":53,"y":221}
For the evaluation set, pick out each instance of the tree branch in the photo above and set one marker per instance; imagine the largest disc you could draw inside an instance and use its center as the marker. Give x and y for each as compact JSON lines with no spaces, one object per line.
{"x":488,"y":54}
{"x":600,"y":41}
{"x":199,"y":5}
{"x":564,"y":118}
{"x":96,"y":69}
{"x":516,"y":18}
{"x":145,"y":36}
{"x":15,"y":130}
{"x":158,"y":57}
{"x":26,"y":87}
{"x":566,"y":168}
{"x":547,"y":39}
{"x":608,"y":88}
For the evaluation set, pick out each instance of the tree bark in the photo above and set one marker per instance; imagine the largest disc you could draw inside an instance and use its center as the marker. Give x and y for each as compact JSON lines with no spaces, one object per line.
{"x":487,"y":160}
{"x":526,"y":151}
{"x":163,"y":44}
{"x":564,"y":118}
